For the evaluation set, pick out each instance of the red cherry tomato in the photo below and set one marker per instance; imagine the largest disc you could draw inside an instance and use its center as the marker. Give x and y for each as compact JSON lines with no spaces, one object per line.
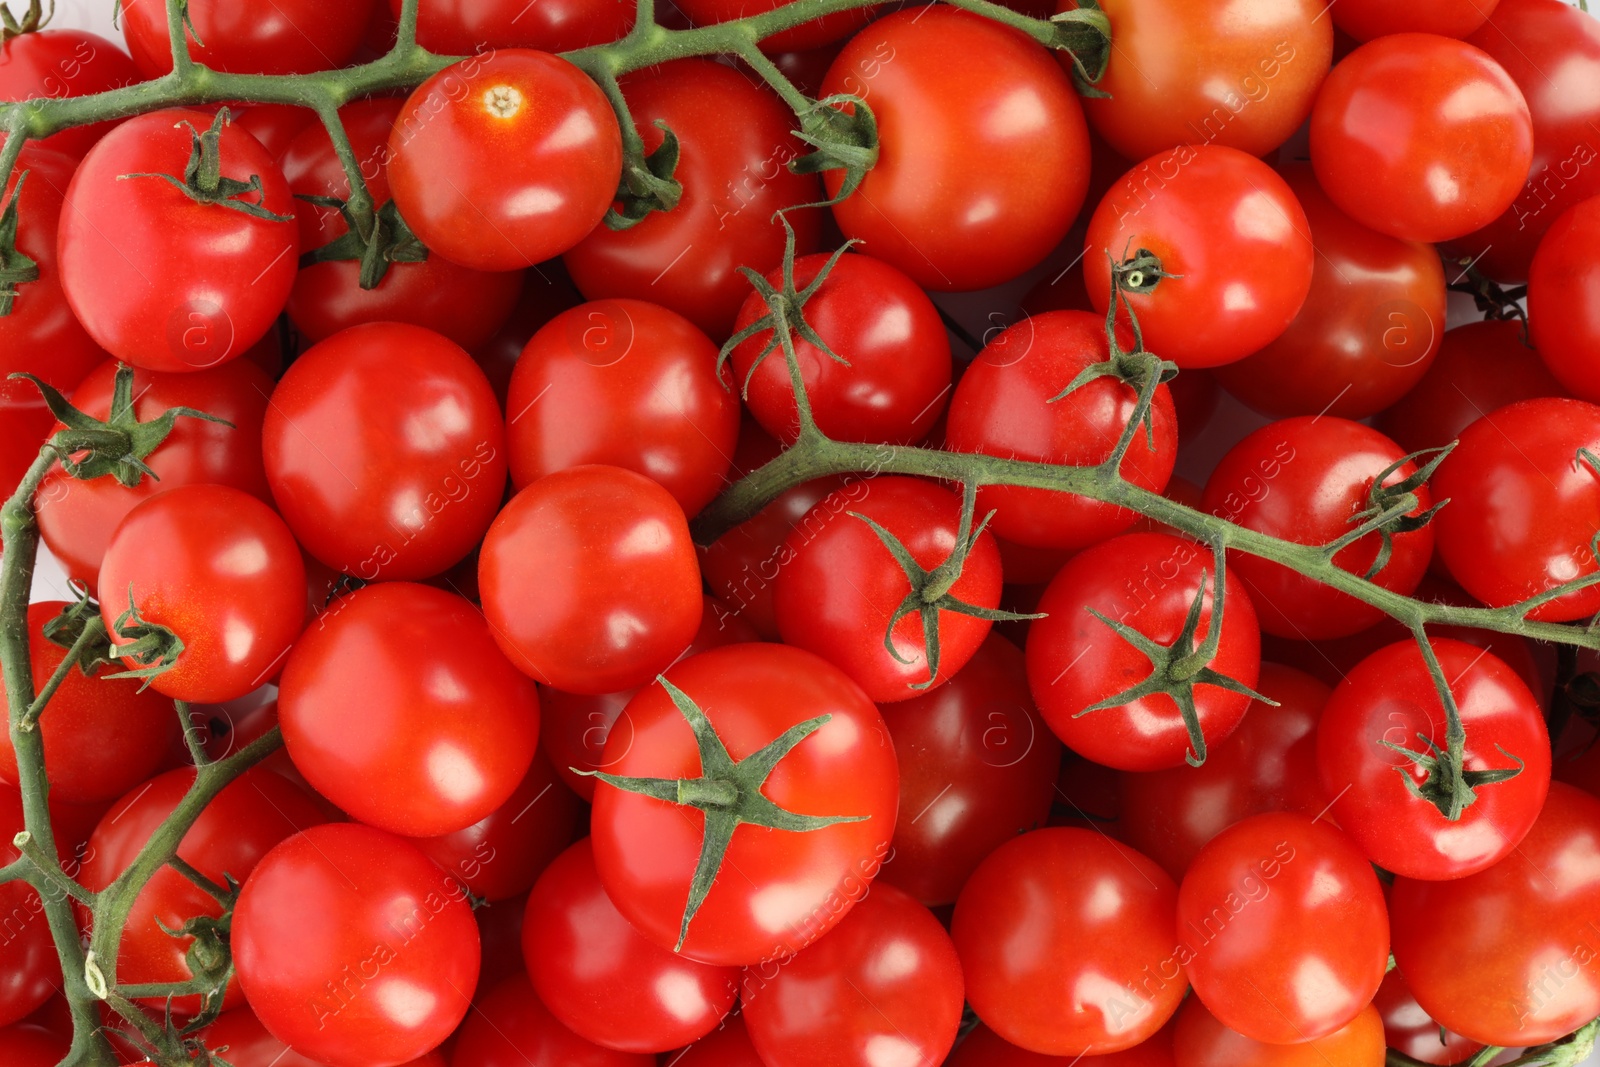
{"x":1199,"y":1040}
{"x":30,"y":969}
{"x":728,"y":1046}
{"x":982,"y":1047}
{"x":33,"y":1046}
{"x":1366,"y":19}
{"x":1564,"y":299}
{"x":546,"y":293}
{"x":1396,"y":151}
{"x":275,"y":125}
{"x":460,"y":27}
{"x":294,"y":37}
{"x":24,"y":428}
{"x":502,"y":161}
{"x":55,"y":63}
{"x":447,"y":726}
{"x":511,"y":1028}
{"x":1409,"y":1030}
{"x":250,"y":1045}
{"x":385,"y":449}
{"x":983,"y":152}
{"x":814,"y":34}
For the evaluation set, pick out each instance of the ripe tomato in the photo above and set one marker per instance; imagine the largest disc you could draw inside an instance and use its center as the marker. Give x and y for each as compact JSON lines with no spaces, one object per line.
{"x":367,"y":957}
{"x":511,"y":1028}
{"x":1516,"y":462}
{"x":977,"y":766}
{"x":1199,"y":1040}
{"x":385,"y":449}
{"x":727,"y":1046}
{"x":34,"y":1046}
{"x":1395,"y":150}
{"x":1004,"y":406}
{"x":602,"y":978}
{"x":296,"y":37}
{"x":102,"y":736}
{"x":1390,"y":697}
{"x":1564,"y":299}
{"x":1268,"y":764}
{"x":1182,"y":73}
{"x":1368,"y":330}
{"x":460,"y":27}
{"x":502,"y":161}
{"x":1231,"y":233}
{"x":619,"y":587}
{"x":397,"y":707}
{"x":982,"y":1047}
{"x":1411,"y":1031}
{"x":30,"y":970}
{"x":41,"y":335}
{"x":250,"y":1045}
{"x":220,"y":570}
{"x":55,"y":63}
{"x":814,"y":34}
{"x":1306,"y":480}
{"x":629,"y":384}
{"x":735,"y":145}
{"x":465,"y":305}
{"x":275,"y":125}
{"x":983,"y":152}
{"x":23,"y":431}
{"x":163,"y":281}
{"x":1366,"y":19}
{"x":1268,"y":901}
{"x":76,"y":517}
{"x":791,"y":887}
{"x":546,"y":293}
{"x":886,"y":976}
{"x":1066,"y":940}
{"x":1481,"y":366}
{"x":233,"y":833}
{"x":1147,"y":581}
{"x":1507,"y":956}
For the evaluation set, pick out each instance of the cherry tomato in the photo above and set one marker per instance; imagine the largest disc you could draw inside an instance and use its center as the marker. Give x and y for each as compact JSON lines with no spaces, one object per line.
{"x":619,"y":587}
{"x":1005,"y":405}
{"x":500,"y":932}
{"x":502,"y":161}
{"x":1232,"y":235}
{"x":1367,"y":332}
{"x":982,"y":1047}
{"x":1307,"y":480}
{"x":250,"y":1045}
{"x":886,"y":978}
{"x":397,"y":707}
{"x":275,"y":125}
{"x":629,"y":384}
{"x":1409,"y":1030}
{"x":34,"y":1046}
{"x":735,"y":146}
{"x":385,"y":450}
{"x":1148,"y":582}
{"x":1507,"y":955}
{"x":1564,"y":299}
{"x":1066,"y":939}
{"x":1269,"y":901}
{"x":546,"y":293}
{"x":813,"y":34}
{"x":55,"y":63}
{"x":293,"y":37}
{"x":76,"y":517}
{"x":1366,"y":19}
{"x":30,"y":970}
{"x":983,"y":152}
{"x":728,"y":1046}
{"x":23,"y":430}
{"x":353,"y":947}
{"x":511,"y":1028}
{"x":1183,"y":73}
{"x":1396,"y":151}
{"x":247,"y":818}
{"x":1199,"y":1040}
{"x":460,"y":27}
{"x":1513,"y":463}
{"x":791,"y":887}
{"x":221,"y":571}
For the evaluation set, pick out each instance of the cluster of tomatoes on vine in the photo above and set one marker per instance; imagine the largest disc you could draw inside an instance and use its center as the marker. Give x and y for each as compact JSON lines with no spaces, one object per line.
{"x":559,"y":786}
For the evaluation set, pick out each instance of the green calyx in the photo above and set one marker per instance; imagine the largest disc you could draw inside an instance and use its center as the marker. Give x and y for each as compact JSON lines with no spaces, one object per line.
{"x":203,"y":180}
{"x":16,"y":268}
{"x":152,"y":646}
{"x":728,"y":792}
{"x":32,"y":20}
{"x":1390,"y":508}
{"x":80,"y":631}
{"x":840,"y":139}
{"x":1084,"y":33}
{"x":1177,"y":668}
{"x":376,"y":239}
{"x":930,"y":589}
{"x":647,"y":184}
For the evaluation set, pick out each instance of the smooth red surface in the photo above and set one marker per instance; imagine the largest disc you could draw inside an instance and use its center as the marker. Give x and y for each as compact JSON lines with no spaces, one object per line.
{"x":1564,"y":300}
{"x":1408,"y":1029}
{"x":1366,"y":19}
{"x":742,"y":565}
{"x":511,"y":1028}
{"x":1199,"y":1040}
{"x":288,"y":37}
{"x":54,"y":63}
{"x":460,"y":27}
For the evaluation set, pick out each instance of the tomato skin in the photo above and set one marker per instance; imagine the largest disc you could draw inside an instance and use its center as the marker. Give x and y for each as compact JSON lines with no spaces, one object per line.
{"x":183,"y":285}
{"x":727,"y":1046}
{"x":1409,"y":1030}
{"x":56,"y":63}
{"x":1516,"y":462}
{"x":1199,"y":1040}
{"x":1368,"y":330}
{"x":735,"y":144}
{"x":814,"y":34}
{"x":1393,"y":150}
{"x":1062,"y":934}
{"x":23,"y":431}
{"x":385,"y":450}
{"x":298,"y":37}
{"x":887,"y":973}
{"x":982,"y":1047}
{"x":1268,"y":764}
{"x":628,"y":384}
{"x":1502,"y":956}
{"x":460,"y":27}
{"x":603,"y":979}
{"x":646,"y":849}
{"x":34,"y":1046}
{"x":1232,"y":232}
{"x":274,"y":125}
{"x":977,"y":766}
{"x":1165,"y":575}
{"x":1303,"y":480}
{"x":77,"y":518}
{"x":383,"y":910}
{"x":939,"y":82}
{"x":250,"y":816}
{"x":374,"y":706}
{"x":1366,"y":19}
{"x":1481,"y":366}
{"x":250,"y":1045}
{"x":1003,"y":407}
{"x":1564,"y":299}
{"x":1319,"y":910}
{"x":30,"y":969}
{"x":875,"y":317}
{"x":1257,"y":76}
{"x":512,"y":1028}
{"x":490,"y":181}
{"x":236,"y":549}
{"x":839,"y":584}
